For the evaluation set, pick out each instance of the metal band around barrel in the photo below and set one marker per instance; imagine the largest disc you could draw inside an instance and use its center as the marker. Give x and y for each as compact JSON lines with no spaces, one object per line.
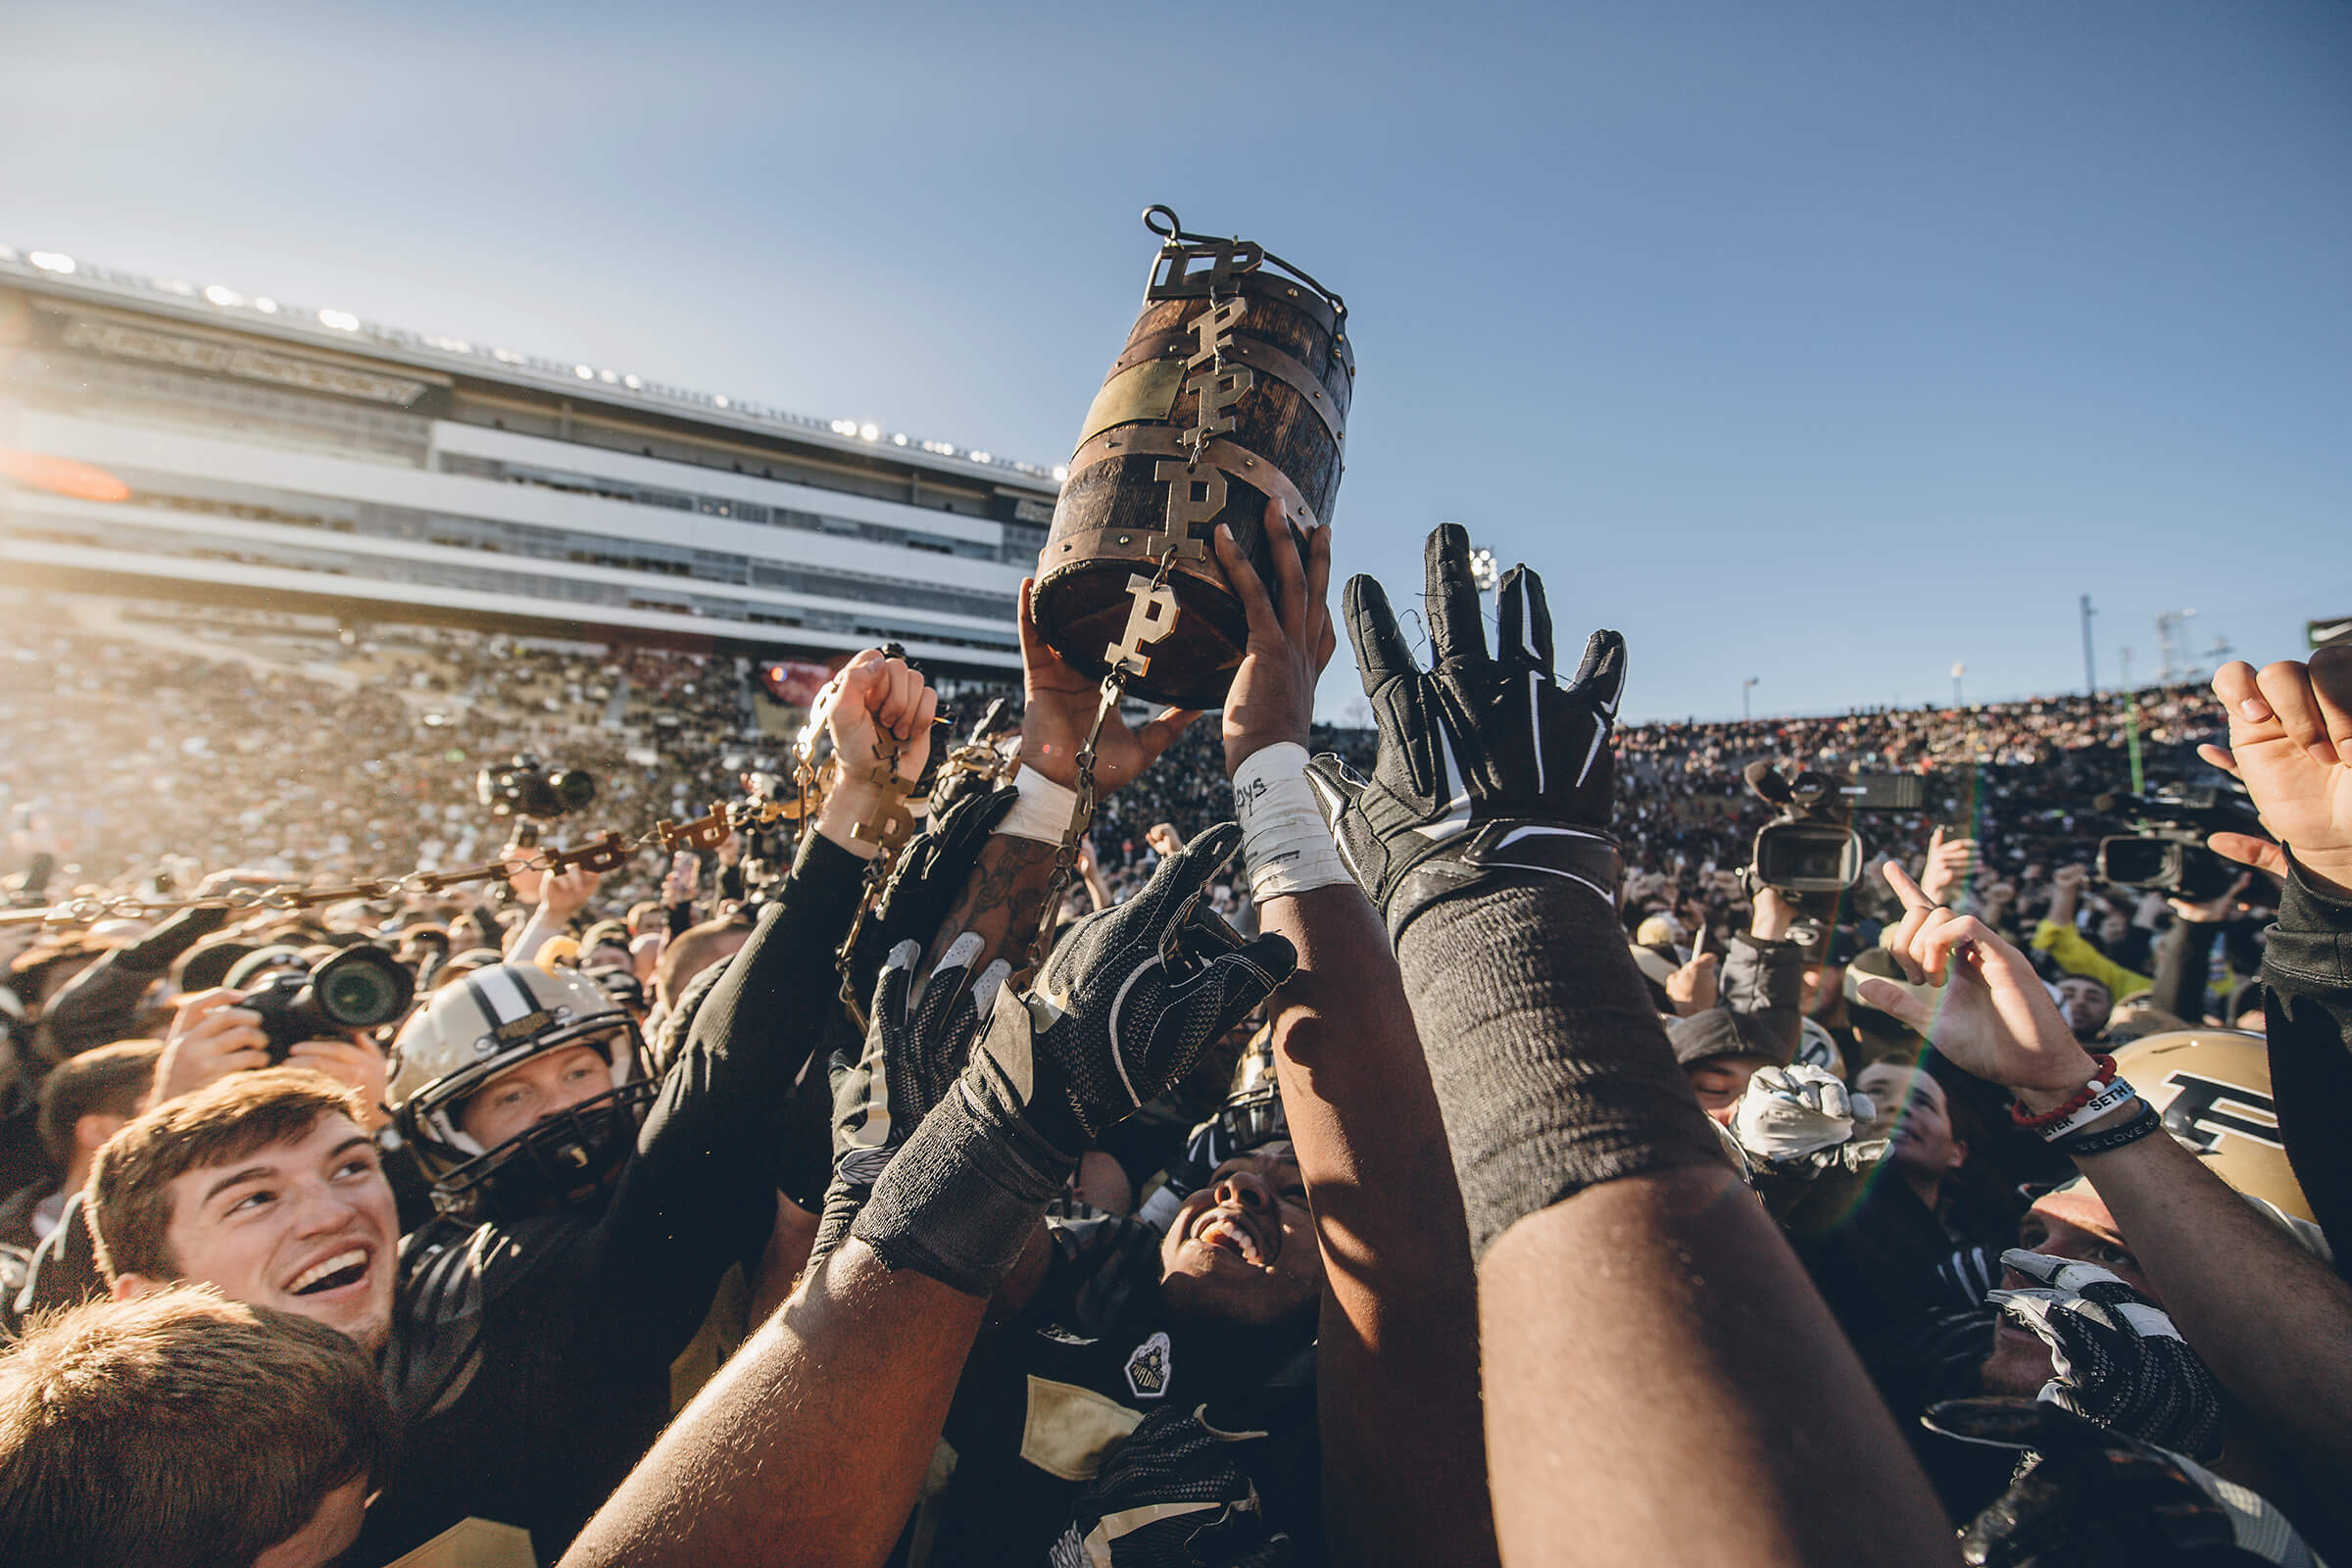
{"x":1160,"y":441}
{"x":1273,"y":285}
{"x":1256,"y":353}
{"x":1146,"y":390}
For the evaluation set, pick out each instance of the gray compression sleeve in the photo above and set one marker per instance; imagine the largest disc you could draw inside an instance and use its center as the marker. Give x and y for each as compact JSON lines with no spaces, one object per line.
{"x":1550,"y":1064}
{"x":960,"y":1200}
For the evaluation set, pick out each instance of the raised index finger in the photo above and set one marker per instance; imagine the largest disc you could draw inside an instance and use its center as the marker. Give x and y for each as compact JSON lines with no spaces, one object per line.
{"x":1907,"y":890}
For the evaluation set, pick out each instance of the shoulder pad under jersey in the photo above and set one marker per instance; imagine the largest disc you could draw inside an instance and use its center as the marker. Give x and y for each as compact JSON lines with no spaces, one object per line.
{"x":437,"y":1316}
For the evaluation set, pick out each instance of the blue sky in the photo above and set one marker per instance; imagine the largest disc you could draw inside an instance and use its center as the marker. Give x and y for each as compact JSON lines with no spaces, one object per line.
{"x":1824,"y":344}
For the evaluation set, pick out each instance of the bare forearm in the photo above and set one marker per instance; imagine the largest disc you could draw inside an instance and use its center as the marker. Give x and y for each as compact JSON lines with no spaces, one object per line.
{"x":2269,"y":1320}
{"x":1669,"y":1388}
{"x":1398,"y":1371}
{"x":809,"y":1445}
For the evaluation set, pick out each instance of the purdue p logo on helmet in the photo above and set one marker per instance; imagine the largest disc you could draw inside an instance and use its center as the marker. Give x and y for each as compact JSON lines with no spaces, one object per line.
{"x":2213,"y":1089}
{"x":487,"y":1024}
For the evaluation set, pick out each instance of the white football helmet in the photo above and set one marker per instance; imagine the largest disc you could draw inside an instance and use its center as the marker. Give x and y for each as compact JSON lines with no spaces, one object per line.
{"x":479,"y":1026}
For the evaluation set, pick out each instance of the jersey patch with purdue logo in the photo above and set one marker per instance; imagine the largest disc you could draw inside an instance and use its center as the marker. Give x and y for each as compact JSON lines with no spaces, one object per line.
{"x":1148,"y":1368}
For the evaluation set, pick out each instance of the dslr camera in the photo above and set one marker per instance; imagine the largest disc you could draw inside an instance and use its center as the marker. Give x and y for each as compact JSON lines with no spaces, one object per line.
{"x":523,"y":787}
{"x":359,"y":988}
{"x":1810,"y":846}
{"x":2166,"y":851}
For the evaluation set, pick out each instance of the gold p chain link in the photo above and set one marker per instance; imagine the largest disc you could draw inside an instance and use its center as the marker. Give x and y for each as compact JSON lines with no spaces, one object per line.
{"x":606,"y":853}
{"x":1082,"y":814}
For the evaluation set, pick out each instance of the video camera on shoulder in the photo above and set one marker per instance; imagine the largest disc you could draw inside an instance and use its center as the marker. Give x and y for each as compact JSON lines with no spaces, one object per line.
{"x":2166,"y":851}
{"x":359,"y":988}
{"x":524,"y":787}
{"x":1811,"y":846}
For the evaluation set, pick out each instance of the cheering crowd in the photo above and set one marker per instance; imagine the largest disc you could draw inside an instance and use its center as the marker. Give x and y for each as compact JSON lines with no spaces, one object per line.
{"x":1439,"y":1143}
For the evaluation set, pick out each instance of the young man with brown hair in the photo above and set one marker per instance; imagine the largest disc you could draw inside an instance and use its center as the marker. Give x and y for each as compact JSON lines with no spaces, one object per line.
{"x":182,"y":1429}
{"x":83,"y":1100}
{"x":263,"y":1185}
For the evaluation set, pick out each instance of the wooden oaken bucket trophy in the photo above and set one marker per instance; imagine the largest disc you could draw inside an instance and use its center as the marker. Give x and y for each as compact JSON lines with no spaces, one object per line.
{"x":1233,"y":388}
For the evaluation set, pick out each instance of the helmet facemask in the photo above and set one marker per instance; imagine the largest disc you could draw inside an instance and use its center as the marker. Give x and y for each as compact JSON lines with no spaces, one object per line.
{"x":564,"y":1159}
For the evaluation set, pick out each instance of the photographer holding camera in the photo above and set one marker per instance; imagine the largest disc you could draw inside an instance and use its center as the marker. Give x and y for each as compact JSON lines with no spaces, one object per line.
{"x":214,"y":1034}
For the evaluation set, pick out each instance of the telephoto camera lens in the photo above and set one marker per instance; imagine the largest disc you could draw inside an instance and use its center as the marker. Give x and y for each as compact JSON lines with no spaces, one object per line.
{"x":359,"y":988}
{"x":362,"y":988}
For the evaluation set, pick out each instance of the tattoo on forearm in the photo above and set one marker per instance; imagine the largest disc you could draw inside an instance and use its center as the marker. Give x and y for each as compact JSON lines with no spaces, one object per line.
{"x":1001,"y":904}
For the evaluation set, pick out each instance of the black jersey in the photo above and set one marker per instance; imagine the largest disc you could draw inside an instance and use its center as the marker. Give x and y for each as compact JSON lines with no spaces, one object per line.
{"x":1050,"y":1396}
{"x":531,"y":1362}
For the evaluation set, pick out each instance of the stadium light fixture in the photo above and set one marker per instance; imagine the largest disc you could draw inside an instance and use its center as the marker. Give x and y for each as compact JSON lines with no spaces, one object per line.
{"x":867,"y":432}
{"x":1062,"y":472}
{"x":632,"y":383}
{"x":216,"y":295}
{"x":584,"y":373}
{"x":721,"y":400}
{"x":340,"y":320}
{"x":265,"y":304}
{"x":899,"y":440}
{"x":52,"y":262}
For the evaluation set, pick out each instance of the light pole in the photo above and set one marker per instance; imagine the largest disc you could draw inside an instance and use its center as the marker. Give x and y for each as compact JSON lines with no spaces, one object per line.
{"x":2091,"y":670}
{"x":1958,"y":671}
{"x":1485,"y":570}
{"x":1747,"y":686}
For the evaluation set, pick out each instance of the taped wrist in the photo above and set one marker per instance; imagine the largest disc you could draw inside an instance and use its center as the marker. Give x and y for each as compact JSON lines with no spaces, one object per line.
{"x":1550,"y":1064}
{"x":961,"y":1197}
{"x":1042,"y":811}
{"x":1285,"y":845}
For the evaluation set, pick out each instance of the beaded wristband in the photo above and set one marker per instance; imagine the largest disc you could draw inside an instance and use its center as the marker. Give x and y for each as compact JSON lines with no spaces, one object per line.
{"x":2114,"y":1138}
{"x":2091,"y":1091}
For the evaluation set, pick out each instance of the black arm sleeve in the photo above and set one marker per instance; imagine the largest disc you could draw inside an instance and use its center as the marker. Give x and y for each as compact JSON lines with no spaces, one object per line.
{"x":701,"y":1192}
{"x":2307,"y":975}
{"x":2183,"y":959}
{"x":102,"y":1002}
{"x":1551,"y":1067}
{"x":1766,"y":981}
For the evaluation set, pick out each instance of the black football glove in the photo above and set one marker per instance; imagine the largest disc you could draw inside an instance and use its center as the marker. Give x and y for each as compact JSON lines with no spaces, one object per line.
{"x":1126,"y":1004}
{"x":911,"y":1057}
{"x":2087,"y":1497}
{"x":1488,"y":767}
{"x":2117,"y":1357}
{"x":1174,"y":1495}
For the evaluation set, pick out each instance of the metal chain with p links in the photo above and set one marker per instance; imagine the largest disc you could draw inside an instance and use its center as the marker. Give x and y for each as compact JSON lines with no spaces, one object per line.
{"x":607,"y":852}
{"x":1150,"y":619}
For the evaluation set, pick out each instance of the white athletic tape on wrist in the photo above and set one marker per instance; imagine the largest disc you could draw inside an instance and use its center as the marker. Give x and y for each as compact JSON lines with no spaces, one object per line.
{"x":2115,"y":1094}
{"x":1044,"y":811}
{"x":1285,"y":845}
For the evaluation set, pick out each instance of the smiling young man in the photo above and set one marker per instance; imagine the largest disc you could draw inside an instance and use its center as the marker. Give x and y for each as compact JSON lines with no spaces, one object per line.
{"x":263,"y":1184}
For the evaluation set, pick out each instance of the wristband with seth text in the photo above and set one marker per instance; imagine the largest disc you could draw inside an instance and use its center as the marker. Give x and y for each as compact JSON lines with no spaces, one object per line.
{"x":2078,"y":1144}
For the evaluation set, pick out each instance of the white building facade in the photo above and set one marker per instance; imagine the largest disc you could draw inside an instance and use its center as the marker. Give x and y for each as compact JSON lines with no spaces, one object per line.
{"x":165,"y":441}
